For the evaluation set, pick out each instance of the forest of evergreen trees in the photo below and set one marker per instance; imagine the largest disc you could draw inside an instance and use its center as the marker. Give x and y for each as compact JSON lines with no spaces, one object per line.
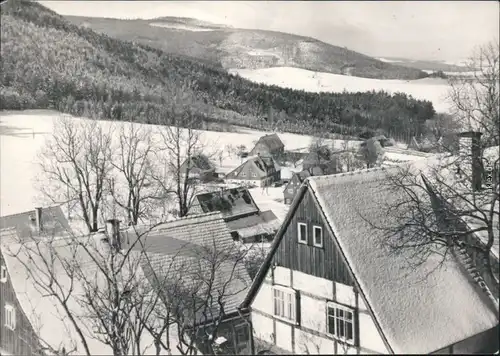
{"x":50,"y":63}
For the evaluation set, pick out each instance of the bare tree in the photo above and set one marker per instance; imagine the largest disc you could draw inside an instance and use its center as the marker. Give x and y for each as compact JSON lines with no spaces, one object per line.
{"x":195,"y":289}
{"x":371,"y":152}
{"x":475,"y":100}
{"x":349,"y":160}
{"x":75,"y":163}
{"x":179,"y":145}
{"x":97,"y":288}
{"x":133,"y":160}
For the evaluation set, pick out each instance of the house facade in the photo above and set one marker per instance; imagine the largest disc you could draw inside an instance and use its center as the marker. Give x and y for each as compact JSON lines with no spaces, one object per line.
{"x":327,"y":286}
{"x":257,"y":170}
{"x":17,"y":336}
{"x":268,"y":145}
{"x":191,"y":246}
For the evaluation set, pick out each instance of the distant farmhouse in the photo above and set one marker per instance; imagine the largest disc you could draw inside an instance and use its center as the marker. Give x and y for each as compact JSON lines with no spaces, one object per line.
{"x":258,"y":170}
{"x":293,"y":186}
{"x":268,"y":145}
{"x":199,"y":166}
{"x":243,"y":218}
{"x":324,"y":158}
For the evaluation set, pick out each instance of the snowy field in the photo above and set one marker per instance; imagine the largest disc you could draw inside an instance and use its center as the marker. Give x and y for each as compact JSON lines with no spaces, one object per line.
{"x":181,"y":27}
{"x":432,"y":89}
{"x":23,"y":133}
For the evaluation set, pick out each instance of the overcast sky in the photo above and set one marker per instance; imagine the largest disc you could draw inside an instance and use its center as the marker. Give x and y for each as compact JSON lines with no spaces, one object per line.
{"x":445,"y":30}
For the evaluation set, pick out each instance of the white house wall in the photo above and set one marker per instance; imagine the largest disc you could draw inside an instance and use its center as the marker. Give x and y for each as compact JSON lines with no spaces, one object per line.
{"x":284,"y":336}
{"x":315,"y":292}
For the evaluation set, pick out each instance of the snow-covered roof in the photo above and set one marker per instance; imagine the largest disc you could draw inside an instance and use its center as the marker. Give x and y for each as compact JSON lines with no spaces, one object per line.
{"x":44,"y":312}
{"x":412,"y":306}
{"x":189,"y":243}
{"x":53,"y":221}
{"x":262,"y":223}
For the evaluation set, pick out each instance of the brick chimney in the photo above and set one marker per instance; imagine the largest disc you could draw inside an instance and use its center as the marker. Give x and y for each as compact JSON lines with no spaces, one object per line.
{"x":113,"y":231}
{"x":38,"y":219}
{"x":470,"y":151}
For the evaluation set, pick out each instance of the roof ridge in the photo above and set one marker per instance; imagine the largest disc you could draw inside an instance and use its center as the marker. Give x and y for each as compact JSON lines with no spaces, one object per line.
{"x":344,"y":174}
{"x":187,"y":217}
{"x":30,"y":211}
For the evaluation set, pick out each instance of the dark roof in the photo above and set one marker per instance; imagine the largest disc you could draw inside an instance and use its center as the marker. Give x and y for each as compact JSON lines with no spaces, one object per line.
{"x":185,"y":246}
{"x":53,"y":221}
{"x":403,"y":302}
{"x":202,"y":162}
{"x":306,"y":173}
{"x":230,"y":202}
{"x":272,"y":141}
{"x":270,"y":162}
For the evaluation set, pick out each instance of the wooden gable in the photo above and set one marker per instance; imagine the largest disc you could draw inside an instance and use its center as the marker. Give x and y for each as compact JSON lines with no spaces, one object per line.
{"x":323,"y":262}
{"x":22,"y":340}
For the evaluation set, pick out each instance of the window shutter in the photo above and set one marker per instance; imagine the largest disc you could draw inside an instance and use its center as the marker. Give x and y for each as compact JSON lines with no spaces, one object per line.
{"x":297,"y":307}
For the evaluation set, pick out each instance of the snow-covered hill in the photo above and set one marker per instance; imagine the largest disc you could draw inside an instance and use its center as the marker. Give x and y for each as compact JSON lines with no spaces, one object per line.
{"x":432,"y":89}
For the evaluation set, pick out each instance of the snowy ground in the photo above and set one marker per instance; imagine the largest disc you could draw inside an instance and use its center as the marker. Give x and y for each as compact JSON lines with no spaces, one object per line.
{"x":432,"y":89}
{"x":181,"y":27}
{"x":23,"y":133}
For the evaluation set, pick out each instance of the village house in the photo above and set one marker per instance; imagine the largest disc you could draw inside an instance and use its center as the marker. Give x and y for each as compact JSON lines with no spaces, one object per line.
{"x":258,"y":170}
{"x":191,"y":246}
{"x":298,"y":178}
{"x":244,"y":219}
{"x":198,"y":166}
{"x":268,"y":145}
{"x":329,"y":286}
{"x":32,"y":319}
{"x":39,"y":222}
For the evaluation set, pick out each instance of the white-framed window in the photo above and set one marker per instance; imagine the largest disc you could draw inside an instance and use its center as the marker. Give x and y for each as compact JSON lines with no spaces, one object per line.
{"x":284,"y":303}
{"x":10,"y":317}
{"x":341,"y":322}
{"x":317,"y":236}
{"x":302,"y":232}
{"x":290,"y":190}
{"x":254,"y":174}
{"x":243,"y":174}
{"x":3,"y":274}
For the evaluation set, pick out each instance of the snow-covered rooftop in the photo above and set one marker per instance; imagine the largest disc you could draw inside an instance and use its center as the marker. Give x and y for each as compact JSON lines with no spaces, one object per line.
{"x":412,"y":305}
{"x":50,"y":322}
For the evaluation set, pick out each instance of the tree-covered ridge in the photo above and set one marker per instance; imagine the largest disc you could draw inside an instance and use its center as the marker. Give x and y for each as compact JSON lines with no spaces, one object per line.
{"x":50,"y":63}
{"x":247,"y":48}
